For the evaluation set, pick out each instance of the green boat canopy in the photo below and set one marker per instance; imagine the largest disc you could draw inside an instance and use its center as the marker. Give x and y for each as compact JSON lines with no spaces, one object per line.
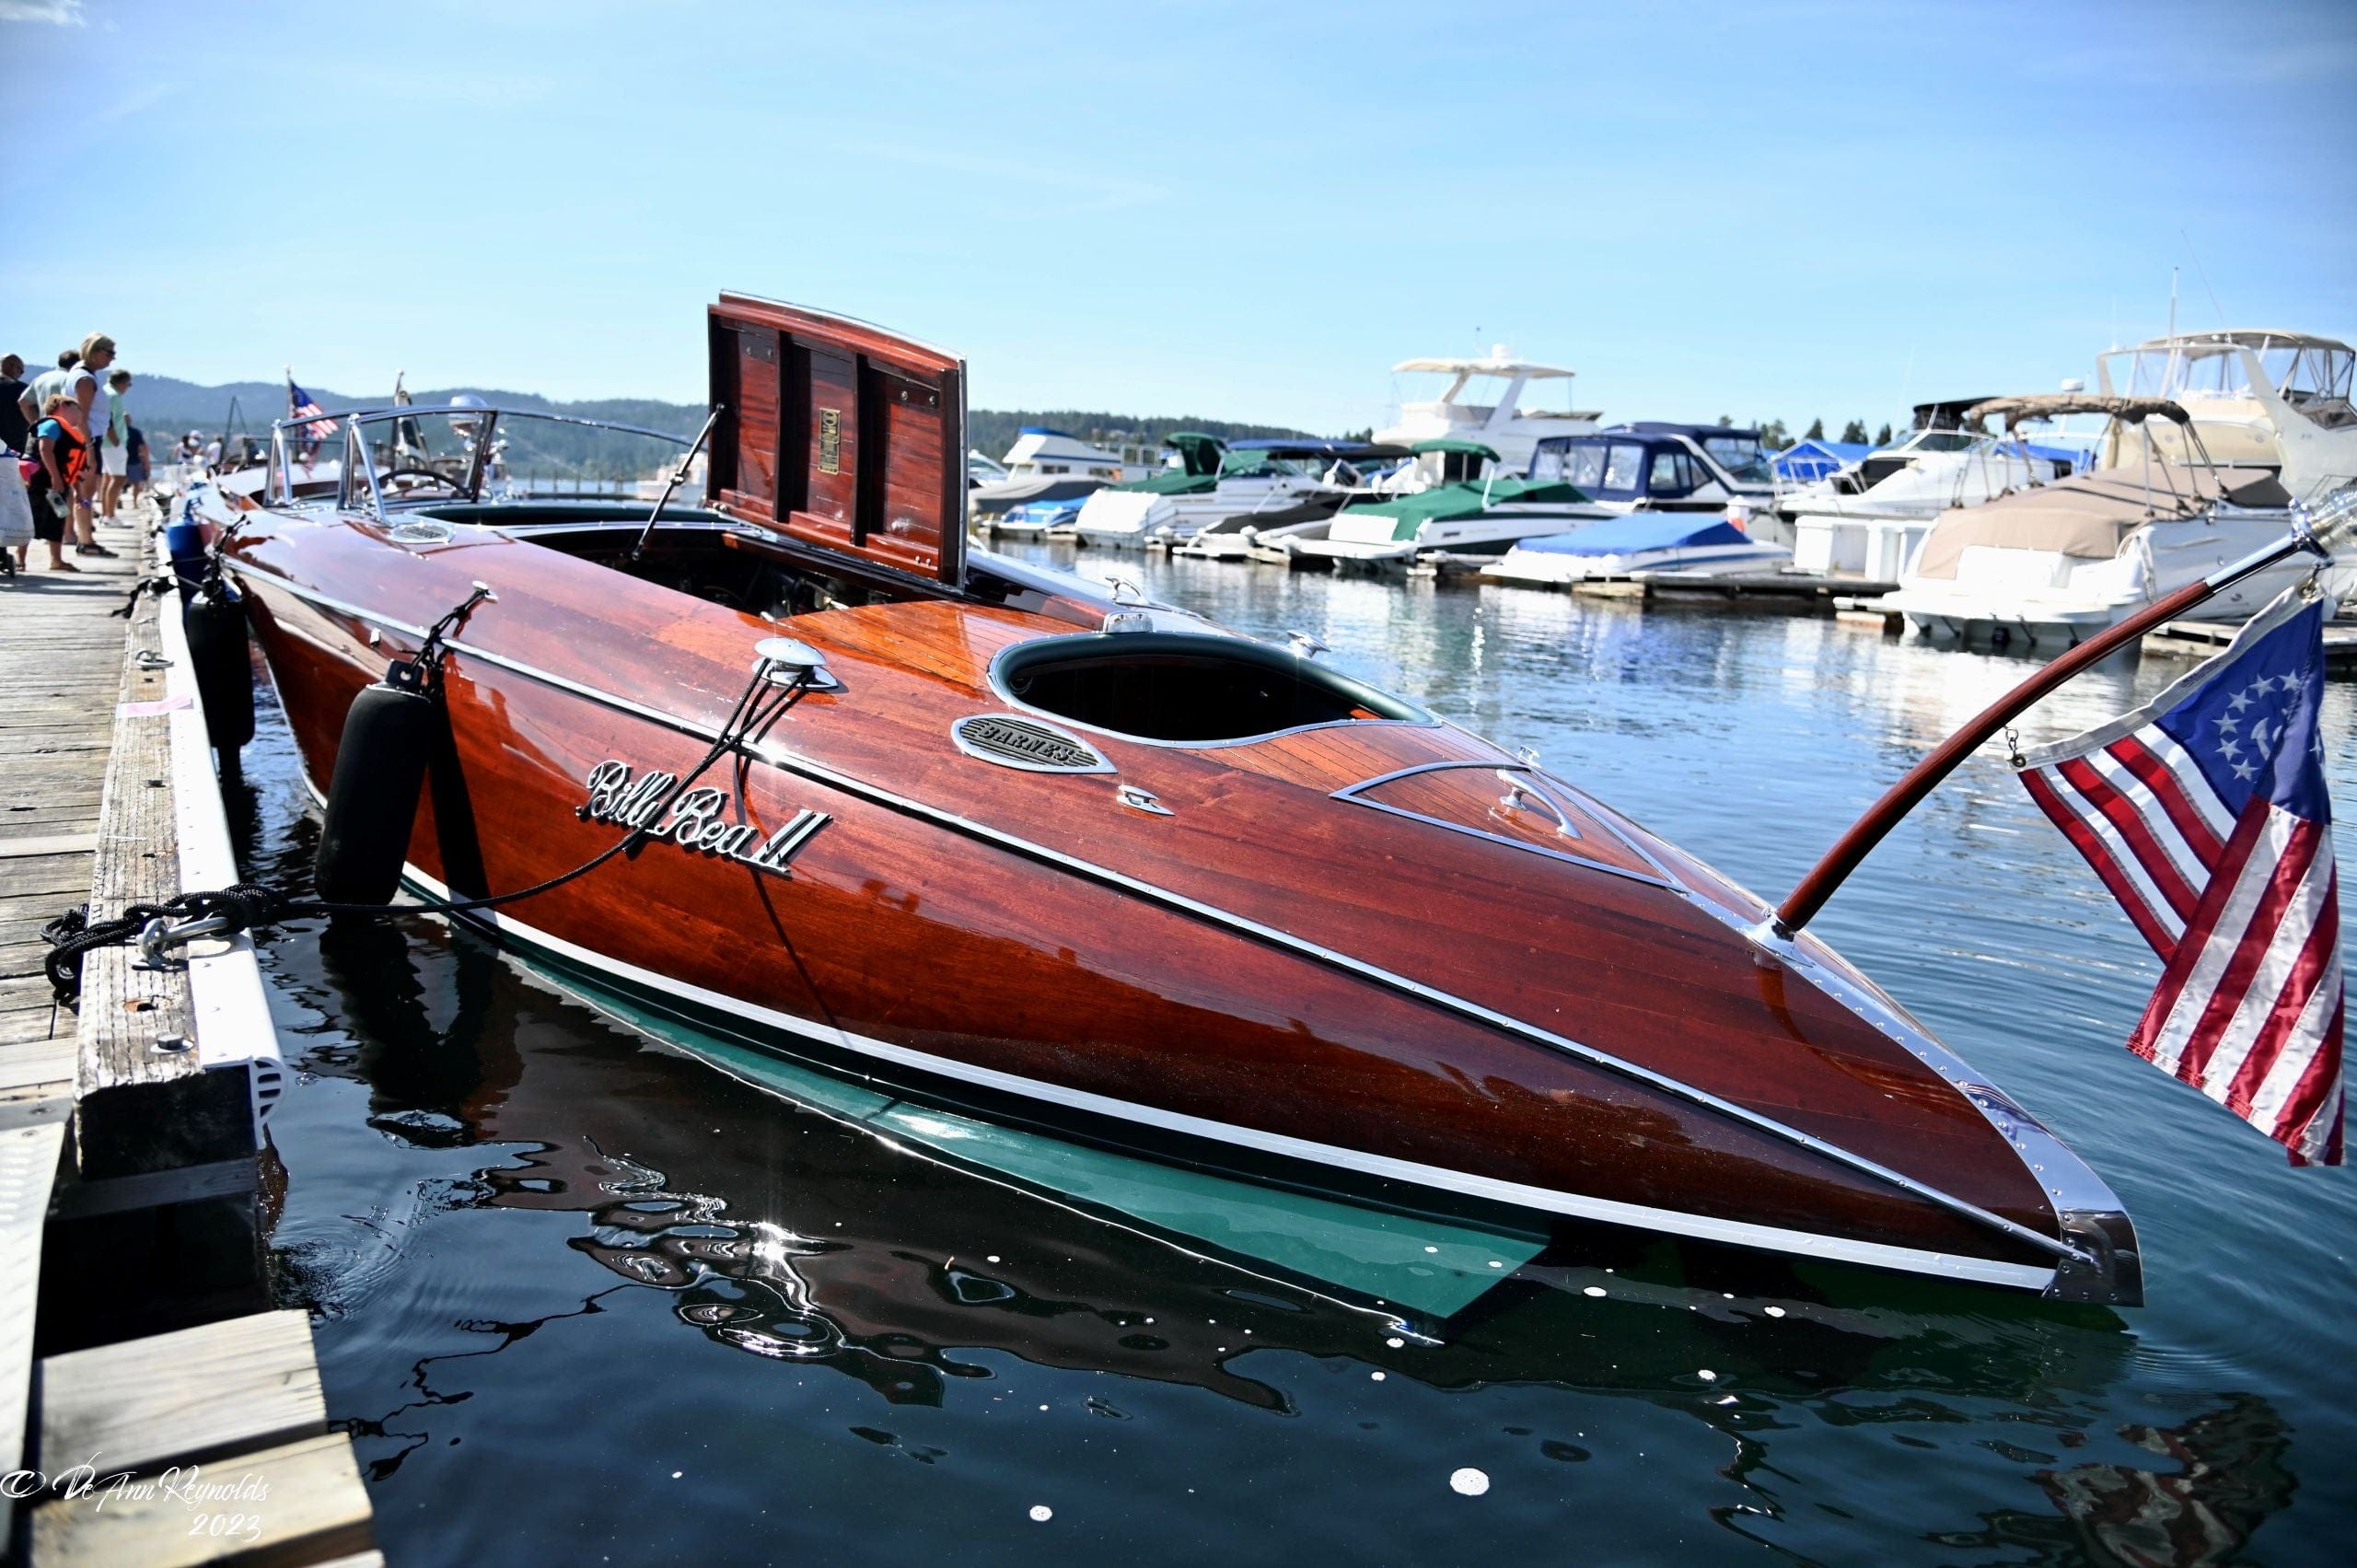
{"x":1468,"y":498}
{"x":1197,"y":452}
{"x":1198,"y":471}
{"x":1455,"y":444}
{"x":1169,"y":482}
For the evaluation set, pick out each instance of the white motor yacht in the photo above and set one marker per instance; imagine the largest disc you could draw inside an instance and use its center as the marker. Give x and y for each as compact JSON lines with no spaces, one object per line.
{"x":1048,"y":465}
{"x":1483,"y":401}
{"x":1868,"y":519}
{"x":2055,"y":564}
{"x":1293,"y":488}
{"x":1117,"y":516}
{"x":2256,"y":399}
{"x":1462,"y":517}
{"x":1655,"y":466}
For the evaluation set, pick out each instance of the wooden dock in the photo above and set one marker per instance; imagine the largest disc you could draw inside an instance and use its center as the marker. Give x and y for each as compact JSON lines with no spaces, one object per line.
{"x":1801,"y":593}
{"x":138,"y":1344}
{"x":2201,"y":639}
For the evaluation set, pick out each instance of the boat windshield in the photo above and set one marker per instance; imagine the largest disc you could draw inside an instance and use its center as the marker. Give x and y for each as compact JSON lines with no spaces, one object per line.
{"x":410,"y":456}
{"x":1940,"y":441}
{"x":1598,"y":467}
{"x":1742,"y":455}
{"x":2313,"y":377}
{"x":1258,"y":465}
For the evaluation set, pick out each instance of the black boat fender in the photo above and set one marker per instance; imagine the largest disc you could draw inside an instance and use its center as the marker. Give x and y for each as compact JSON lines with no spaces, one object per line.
{"x":215,"y":618}
{"x":389,"y":735}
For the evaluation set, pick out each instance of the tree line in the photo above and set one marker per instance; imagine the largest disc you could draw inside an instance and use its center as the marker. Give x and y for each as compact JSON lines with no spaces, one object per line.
{"x":1776,"y":438}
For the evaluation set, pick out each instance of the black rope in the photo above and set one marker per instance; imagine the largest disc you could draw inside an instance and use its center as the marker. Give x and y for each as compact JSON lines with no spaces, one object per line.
{"x":157,"y":586}
{"x":247,"y":906}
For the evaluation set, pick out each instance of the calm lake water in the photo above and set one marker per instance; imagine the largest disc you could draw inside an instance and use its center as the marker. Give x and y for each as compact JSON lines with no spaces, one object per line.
{"x":582,"y":1299}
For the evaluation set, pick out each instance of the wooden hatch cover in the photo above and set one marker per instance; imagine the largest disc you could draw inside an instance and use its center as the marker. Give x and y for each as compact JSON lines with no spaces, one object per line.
{"x":840,"y":435}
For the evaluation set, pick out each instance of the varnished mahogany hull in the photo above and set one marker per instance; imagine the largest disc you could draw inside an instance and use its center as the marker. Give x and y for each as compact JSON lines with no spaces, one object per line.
{"x":1250,"y":982}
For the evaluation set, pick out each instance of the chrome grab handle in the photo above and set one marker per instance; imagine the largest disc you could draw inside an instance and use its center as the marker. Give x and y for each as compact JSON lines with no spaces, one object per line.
{"x":1519,"y":796}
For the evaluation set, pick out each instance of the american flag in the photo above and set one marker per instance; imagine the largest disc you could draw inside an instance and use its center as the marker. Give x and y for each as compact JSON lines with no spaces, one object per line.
{"x":301,"y":405}
{"x":2205,"y":813}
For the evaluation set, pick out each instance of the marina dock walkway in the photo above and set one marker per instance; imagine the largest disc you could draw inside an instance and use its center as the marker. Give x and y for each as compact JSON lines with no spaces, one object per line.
{"x":130,"y":1141}
{"x":62,"y":651}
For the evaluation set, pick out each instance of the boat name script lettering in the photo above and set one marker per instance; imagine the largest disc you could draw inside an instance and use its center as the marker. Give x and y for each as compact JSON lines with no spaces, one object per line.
{"x":831,"y":440}
{"x":695,"y":820}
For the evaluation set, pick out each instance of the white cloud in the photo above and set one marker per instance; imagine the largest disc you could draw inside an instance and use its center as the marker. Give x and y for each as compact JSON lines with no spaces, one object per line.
{"x":56,"y":13}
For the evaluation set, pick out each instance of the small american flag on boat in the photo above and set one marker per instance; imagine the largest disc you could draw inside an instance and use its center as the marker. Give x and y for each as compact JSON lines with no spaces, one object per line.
{"x":300,"y":404}
{"x":2205,"y":813}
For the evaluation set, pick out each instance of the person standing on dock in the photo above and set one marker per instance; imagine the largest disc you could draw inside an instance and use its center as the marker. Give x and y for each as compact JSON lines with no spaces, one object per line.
{"x":15,"y":430}
{"x":62,"y":441}
{"x":84,"y":387}
{"x":138,"y":467}
{"x":15,"y":436}
{"x":33,"y":401}
{"x":114,"y":450}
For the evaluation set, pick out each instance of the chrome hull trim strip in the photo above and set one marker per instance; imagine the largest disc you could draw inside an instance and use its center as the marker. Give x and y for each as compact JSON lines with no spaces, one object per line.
{"x":769,"y":750}
{"x":1356,"y":795}
{"x":1538,"y":1200}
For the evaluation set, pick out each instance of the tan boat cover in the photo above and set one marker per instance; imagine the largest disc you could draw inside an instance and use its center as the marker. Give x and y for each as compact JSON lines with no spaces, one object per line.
{"x":2091,"y":515}
{"x":2054,"y":405}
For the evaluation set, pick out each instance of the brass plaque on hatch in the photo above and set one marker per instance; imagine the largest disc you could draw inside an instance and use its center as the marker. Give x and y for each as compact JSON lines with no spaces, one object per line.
{"x":831,"y":440}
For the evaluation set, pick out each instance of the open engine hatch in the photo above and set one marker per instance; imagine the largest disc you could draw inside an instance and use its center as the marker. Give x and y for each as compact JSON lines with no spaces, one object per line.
{"x":839,"y":436}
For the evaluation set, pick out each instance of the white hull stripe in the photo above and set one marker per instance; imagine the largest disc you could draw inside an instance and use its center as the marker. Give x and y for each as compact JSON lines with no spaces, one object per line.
{"x":1539,"y":1199}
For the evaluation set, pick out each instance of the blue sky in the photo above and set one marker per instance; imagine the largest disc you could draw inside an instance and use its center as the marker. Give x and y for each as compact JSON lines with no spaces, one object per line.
{"x":1240,"y":211}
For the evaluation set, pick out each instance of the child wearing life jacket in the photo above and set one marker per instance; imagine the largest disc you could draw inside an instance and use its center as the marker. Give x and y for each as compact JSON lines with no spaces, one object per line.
{"x":61,"y":457}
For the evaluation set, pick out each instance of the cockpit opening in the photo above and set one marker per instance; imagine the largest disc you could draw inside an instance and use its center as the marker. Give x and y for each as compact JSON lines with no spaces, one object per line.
{"x":1186,"y":688}
{"x":694,"y":551}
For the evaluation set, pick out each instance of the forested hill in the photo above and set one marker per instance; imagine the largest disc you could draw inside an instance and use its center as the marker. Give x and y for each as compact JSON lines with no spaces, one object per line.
{"x":992,"y":431}
{"x":163,"y":405}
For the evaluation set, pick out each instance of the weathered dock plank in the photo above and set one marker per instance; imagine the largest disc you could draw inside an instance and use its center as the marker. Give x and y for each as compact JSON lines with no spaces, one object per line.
{"x":64,"y":654}
{"x":28,"y":1157}
{"x":2201,"y":639}
{"x":182,"y":1398}
{"x":128,"y":1013}
{"x":295,"y":1503}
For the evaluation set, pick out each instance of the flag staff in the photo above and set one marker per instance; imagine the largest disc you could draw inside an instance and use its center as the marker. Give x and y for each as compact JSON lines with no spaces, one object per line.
{"x":2315,"y":533}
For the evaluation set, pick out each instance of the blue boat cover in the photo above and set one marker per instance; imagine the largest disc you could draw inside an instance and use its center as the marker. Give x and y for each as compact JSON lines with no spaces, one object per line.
{"x":1642,"y":530}
{"x":1812,"y":457}
{"x":1046,"y":513}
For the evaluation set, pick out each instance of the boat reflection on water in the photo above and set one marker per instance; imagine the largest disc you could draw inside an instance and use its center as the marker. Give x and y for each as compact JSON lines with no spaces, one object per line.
{"x":787,"y":1228}
{"x":2213,"y":1480}
{"x":799,"y":1235}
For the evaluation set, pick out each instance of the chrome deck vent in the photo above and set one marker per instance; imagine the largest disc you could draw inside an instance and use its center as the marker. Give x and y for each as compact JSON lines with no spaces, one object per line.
{"x":1012,"y":742}
{"x":422,"y":530}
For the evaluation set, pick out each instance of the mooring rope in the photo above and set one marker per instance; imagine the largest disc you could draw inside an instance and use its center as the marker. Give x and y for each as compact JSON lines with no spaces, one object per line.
{"x":247,"y":906}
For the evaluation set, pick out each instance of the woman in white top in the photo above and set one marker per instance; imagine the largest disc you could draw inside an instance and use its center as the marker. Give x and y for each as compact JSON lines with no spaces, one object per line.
{"x":84,"y":388}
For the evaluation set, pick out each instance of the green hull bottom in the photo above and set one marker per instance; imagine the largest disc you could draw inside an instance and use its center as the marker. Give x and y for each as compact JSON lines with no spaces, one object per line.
{"x":1430,"y":1267}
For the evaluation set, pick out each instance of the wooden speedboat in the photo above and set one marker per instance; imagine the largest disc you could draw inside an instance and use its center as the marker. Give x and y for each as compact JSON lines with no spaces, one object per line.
{"x":1026,"y":850}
